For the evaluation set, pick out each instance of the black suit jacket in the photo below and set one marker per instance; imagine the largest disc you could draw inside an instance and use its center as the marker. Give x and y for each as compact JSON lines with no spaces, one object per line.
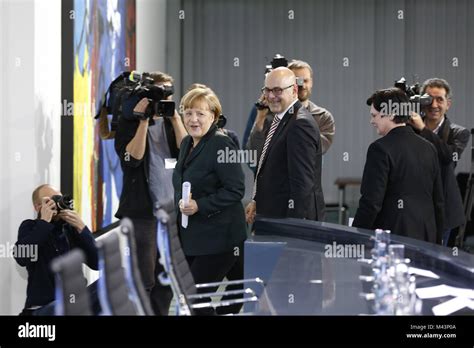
{"x":450,"y":143}
{"x":289,"y":181}
{"x":218,"y":188}
{"x":401,"y":187}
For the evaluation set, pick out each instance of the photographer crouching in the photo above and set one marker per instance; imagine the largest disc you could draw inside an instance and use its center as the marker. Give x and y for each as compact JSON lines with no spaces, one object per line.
{"x":147,"y":142}
{"x":56,"y":230}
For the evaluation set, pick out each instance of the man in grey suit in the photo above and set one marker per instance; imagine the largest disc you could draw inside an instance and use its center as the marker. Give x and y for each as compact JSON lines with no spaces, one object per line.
{"x":288,"y":180}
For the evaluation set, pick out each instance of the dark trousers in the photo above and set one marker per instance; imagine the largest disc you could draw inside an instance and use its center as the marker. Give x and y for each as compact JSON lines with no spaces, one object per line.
{"x":149,"y":265}
{"x":48,"y":309}
{"x":446,"y":235}
{"x":235,"y":273}
{"x":213,"y":268}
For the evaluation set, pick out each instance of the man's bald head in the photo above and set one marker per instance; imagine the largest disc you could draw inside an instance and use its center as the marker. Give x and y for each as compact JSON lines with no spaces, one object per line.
{"x":281,"y":74}
{"x":280,"y":80}
{"x":41,"y":191}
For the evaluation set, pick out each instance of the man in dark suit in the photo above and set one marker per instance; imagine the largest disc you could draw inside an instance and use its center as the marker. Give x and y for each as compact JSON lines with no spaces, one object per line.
{"x":401,"y":186}
{"x":450,"y":140}
{"x":288,"y":180}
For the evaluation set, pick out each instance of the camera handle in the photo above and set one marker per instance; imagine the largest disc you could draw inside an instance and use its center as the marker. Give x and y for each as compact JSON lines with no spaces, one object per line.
{"x":148,"y":112}
{"x":140,"y":115}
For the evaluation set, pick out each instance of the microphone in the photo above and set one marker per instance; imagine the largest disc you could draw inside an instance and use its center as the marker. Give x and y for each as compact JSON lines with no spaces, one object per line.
{"x":186,"y":191}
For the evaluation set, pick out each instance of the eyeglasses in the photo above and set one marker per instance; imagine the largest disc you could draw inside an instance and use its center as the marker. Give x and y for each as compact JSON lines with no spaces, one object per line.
{"x":277,"y":91}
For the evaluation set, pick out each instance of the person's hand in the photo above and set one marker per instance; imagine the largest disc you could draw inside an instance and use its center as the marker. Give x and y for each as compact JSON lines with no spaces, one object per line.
{"x":176,"y":115}
{"x":176,"y":118}
{"x":261,"y":113}
{"x":250,"y":212}
{"x":72,"y":218}
{"x":141,"y":107}
{"x":188,"y":209}
{"x":416,"y":121}
{"x":48,"y":209}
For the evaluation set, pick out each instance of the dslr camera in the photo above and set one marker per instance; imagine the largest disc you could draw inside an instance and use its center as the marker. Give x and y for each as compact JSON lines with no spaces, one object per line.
{"x":413,"y":93}
{"x":300,"y":82}
{"x":63,"y":202}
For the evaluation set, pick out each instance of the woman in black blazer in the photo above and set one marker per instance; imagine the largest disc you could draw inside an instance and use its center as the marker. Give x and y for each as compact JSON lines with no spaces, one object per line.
{"x":213,"y":239}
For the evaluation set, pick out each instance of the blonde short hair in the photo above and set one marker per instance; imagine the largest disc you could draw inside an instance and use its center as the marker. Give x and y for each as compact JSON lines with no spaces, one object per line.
{"x":202,"y":94}
{"x":299,"y":64}
{"x":196,"y":85}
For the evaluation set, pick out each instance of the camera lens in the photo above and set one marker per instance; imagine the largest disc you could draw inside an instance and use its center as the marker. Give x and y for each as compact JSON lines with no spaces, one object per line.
{"x":63,"y":202}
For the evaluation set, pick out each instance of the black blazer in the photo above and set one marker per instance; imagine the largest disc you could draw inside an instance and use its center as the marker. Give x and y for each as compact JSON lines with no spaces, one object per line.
{"x":218,"y":188}
{"x":289,"y":181}
{"x":450,"y":139}
{"x":401,"y":187}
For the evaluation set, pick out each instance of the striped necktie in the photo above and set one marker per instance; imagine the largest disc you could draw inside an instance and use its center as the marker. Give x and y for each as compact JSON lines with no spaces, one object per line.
{"x":273,"y":127}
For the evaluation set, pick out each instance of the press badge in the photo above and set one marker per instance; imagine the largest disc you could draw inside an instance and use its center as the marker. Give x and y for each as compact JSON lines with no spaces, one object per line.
{"x":170,"y":163}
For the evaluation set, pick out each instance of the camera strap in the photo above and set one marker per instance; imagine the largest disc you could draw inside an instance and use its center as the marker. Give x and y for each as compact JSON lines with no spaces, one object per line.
{"x":445,"y":129}
{"x":104,"y":129}
{"x":171,"y":137}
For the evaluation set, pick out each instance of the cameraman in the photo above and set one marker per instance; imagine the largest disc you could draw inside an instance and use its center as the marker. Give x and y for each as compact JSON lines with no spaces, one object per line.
{"x":53,"y":233}
{"x":450,"y":141}
{"x":146,"y":148}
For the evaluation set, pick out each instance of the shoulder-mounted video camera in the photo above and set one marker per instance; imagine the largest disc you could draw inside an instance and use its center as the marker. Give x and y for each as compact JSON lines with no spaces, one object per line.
{"x":413,"y":93}
{"x":156,"y":95}
{"x":123,"y":95}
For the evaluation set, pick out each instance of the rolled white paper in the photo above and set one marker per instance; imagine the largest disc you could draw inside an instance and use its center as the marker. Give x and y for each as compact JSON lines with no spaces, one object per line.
{"x":186,"y":193}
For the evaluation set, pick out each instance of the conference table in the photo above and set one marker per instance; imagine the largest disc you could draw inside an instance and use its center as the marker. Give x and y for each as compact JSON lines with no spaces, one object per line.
{"x":315,"y":268}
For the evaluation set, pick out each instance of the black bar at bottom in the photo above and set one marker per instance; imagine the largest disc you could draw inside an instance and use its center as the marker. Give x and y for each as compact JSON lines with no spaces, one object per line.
{"x":379,"y":330}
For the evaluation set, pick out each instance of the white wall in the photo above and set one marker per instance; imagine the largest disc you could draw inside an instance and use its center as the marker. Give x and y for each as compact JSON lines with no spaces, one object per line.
{"x":151,"y":35}
{"x":30,"y":87}
{"x":30,"y":100}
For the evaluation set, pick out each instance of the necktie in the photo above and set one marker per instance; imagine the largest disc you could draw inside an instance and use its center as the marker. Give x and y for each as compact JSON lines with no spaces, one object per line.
{"x":273,"y":127}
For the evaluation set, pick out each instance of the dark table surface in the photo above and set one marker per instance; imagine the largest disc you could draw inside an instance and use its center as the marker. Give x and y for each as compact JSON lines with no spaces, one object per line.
{"x":303,"y":279}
